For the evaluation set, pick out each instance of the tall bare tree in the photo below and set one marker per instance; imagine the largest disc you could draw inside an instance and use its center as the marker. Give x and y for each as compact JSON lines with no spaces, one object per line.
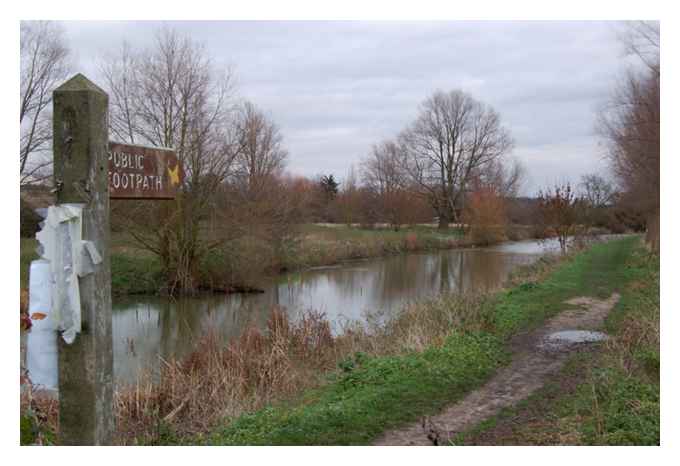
{"x":642,"y":39}
{"x":383,"y":168}
{"x":262,"y":156}
{"x":505,"y":177}
{"x":630,"y":124}
{"x":453,"y":136}
{"x":172,"y":96}
{"x":351,"y":200}
{"x":384,"y":176}
{"x":120,"y":71}
{"x":261,"y":197}
{"x":44,"y":65}
{"x":596,"y":191}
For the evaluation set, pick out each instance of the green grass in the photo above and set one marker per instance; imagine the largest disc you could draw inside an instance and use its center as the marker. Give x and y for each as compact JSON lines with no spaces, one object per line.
{"x":607,"y":398}
{"x":596,"y":272}
{"x":26,"y":255}
{"x":132,"y":271}
{"x":131,"y":274}
{"x":620,"y":402}
{"x":360,"y":402}
{"x":372,"y":394}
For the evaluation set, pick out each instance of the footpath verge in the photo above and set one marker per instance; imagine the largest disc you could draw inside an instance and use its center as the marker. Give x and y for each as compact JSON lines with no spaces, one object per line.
{"x":371,"y":395}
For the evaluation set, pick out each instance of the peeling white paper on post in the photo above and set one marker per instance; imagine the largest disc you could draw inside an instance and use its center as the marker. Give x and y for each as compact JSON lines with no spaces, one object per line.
{"x":70,"y":257}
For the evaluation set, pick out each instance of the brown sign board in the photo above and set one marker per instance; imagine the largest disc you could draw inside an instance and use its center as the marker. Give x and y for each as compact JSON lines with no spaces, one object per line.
{"x":140,"y":172}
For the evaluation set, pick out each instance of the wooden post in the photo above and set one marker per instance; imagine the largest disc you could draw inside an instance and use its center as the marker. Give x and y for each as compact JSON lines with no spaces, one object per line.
{"x":80,"y":144}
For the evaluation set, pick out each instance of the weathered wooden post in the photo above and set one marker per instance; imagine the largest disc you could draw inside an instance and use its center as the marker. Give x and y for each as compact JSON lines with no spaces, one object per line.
{"x":80,"y":148}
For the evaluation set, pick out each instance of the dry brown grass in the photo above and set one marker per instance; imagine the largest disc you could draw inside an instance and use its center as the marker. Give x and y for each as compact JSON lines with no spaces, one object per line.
{"x":41,"y":410}
{"x":216,"y":382}
{"x":638,"y":331}
{"x":428,"y":323}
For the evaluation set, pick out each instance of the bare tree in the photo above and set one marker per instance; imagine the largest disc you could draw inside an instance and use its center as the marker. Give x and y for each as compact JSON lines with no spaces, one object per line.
{"x":350,"y":201}
{"x":561,"y":212}
{"x":261,"y":196}
{"x":643,"y":40}
{"x":630,"y":125}
{"x":598,"y":196}
{"x":261,"y":157}
{"x":120,"y":71}
{"x":596,"y":191}
{"x":384,"y":176}
{"x":383,"y":169}
{"x":453,"y":136}
{"x":505,"y":177}
{"x":171,"y":96}
{"x":44,"y":65}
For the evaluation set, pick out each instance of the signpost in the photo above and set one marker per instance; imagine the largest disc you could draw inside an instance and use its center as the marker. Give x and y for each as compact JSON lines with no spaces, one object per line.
{"x":88,"y":170}
{"x":139,"y":172}
{"x":80,"y":138}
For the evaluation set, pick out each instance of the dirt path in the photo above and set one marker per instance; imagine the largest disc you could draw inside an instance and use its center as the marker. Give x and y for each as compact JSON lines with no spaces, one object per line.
{"x":535,"y":359}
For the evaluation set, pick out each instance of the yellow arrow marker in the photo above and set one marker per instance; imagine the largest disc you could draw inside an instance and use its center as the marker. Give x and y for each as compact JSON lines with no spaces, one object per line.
{"x":174,"y":175}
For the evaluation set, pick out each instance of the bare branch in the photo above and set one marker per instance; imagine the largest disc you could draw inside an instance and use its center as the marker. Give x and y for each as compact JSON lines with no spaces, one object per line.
{"x":44,"y":65}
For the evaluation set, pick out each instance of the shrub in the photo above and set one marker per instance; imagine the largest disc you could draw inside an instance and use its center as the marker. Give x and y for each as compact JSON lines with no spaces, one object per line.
{"x":485,"y":214}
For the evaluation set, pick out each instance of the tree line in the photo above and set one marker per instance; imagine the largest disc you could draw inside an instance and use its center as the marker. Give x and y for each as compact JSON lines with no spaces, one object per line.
{"x":452,"y":164}
{"x":630,"y":125}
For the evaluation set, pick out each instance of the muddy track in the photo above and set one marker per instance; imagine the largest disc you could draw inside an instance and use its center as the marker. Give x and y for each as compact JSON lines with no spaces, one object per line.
{"x":534,"y":361}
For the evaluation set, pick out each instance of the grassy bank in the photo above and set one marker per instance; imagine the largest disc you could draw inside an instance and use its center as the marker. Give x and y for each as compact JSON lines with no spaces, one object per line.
{"x":610,"y":397}
{"x":327,"y":245}
{"x":245,"y":263}
{"x":374,"y":393}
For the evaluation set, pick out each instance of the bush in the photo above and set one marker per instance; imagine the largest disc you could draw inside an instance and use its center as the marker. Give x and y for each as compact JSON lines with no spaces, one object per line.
{"x":486,"y":216}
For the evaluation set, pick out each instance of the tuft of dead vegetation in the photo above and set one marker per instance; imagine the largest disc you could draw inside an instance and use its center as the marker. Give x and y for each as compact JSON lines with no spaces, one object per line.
{"x":219,"y":381}
{"x":39,"y":420}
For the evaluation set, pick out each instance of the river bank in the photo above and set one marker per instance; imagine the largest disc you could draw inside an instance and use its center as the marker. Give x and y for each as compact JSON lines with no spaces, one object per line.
{"x":245,"y":264}
{"x":386,"y":391}
{"x":297,"y":383}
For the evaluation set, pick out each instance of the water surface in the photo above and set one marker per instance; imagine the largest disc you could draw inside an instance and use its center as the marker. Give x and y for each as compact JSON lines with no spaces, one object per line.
{"x":146,"y":328}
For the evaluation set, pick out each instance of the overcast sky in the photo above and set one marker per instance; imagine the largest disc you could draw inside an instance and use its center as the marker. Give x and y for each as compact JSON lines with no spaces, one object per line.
{"x":335,"y":88}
